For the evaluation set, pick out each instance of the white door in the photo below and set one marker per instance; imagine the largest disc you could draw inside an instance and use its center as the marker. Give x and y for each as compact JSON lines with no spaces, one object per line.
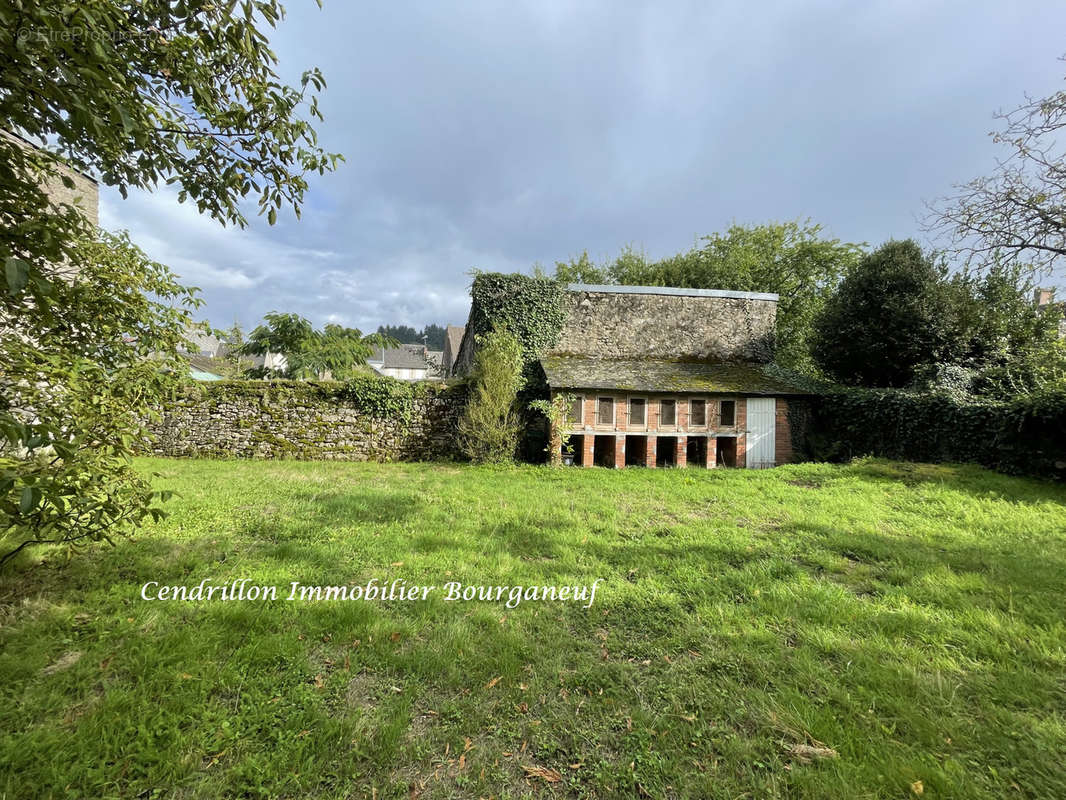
{"x":761,"y":449}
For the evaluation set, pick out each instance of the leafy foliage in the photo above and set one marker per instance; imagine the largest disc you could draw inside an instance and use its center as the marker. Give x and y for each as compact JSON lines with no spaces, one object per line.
{"x":136,"y":93}
{"x":555,"y":411}
{"x":889,"y":317}
{"x":899,"y":319}
{"x":79,"y":379}
{"x":335,"y":351}
{"x":792,"y":259}
{"x":1026,"y":435}
{"x":431,"y":335}
{"x":529,"y":308}
{"x":490,"y":425}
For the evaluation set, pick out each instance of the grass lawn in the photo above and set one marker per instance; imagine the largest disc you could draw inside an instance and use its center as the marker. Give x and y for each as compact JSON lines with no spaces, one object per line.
{"x":810,"y":631}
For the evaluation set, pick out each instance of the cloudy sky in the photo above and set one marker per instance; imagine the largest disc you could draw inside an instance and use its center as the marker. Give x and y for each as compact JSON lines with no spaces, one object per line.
{"x":501,"y":135}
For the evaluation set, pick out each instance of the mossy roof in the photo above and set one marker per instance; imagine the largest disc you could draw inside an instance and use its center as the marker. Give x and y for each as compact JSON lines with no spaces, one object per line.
{"x":667,"y":375}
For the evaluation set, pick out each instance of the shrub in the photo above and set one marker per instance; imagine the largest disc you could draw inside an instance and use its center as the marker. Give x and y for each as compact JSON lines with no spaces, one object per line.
{"x":491,"y":424}
{"x":1026,"y":435}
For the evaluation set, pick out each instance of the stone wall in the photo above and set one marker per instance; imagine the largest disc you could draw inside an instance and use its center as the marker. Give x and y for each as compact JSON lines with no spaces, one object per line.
{"x":285,"y":419}
{"x":85,"y":193}
{"x":621,"y":322}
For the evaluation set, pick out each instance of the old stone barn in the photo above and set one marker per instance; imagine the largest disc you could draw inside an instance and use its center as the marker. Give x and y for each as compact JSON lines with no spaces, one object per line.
{"x":670,"y":377}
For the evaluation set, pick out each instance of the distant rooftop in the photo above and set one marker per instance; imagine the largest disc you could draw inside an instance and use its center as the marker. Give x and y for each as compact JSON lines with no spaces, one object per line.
{"x":670,"y":290}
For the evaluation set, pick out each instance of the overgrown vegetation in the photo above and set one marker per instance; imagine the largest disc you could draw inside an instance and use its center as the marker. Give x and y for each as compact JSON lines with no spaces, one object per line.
{"x":77,"y":385}
{"x":810,"y":631}
{"x":900,"y":319}
{"x":1025,"y":435}
{"x":491,"y":422}
{"x":529,"y":307}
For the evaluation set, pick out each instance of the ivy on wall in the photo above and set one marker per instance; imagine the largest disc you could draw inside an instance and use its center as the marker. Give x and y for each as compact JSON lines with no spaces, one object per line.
{"x":1026,"y":435}
{"x":531,"y":308}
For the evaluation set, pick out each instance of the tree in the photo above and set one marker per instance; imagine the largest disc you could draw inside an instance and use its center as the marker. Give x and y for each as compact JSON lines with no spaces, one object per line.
{"x":1019,"y":211}
{"x":490,"y":425}
{"x":136,"y":93}
{"x":335,"y":351}
{"x":792,"y":259}
{"x":432,"y":335}
{"x":75,"y":396}
{"x":891,"y":315}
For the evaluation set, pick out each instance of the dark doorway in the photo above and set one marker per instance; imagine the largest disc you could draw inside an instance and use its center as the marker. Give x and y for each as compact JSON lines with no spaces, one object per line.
{"x":696,"y":451}
{"x":603,"y":452}
{"x":636,"y":451}
{"x":572,"y":450}
{"x":666,"y":451}
{"x":727,"y":451}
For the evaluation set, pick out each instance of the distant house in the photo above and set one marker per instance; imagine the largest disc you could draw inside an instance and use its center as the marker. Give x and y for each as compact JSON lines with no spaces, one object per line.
{"x":453,"y":339}
{"x":1044,"y":300}
{"x":205,"y":351}
{"x":408,"y":362}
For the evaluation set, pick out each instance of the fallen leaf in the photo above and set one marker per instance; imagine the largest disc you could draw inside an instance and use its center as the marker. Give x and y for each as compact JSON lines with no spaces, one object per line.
{"x":918,"y":788}
{"x":523,"y":708}
{"x":467,"y":744}
{"x":462,"y":762}
{"x":544,"y":773}
{"x":394,"y":636}
{"x":806,"y":753}
{"x":397,"y":563}
{"x":63,"y":662}
{"x":319,"y":682}
{"x":493,"y":682}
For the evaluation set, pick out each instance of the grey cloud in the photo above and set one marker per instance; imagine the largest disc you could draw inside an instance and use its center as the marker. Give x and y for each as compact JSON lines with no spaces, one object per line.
{"x":499,"y":135}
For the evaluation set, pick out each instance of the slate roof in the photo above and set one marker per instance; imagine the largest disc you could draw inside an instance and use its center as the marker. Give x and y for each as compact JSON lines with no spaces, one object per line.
{"x":202,"y":368}
{"x":403,"y":357}
{"x":667,"y":375}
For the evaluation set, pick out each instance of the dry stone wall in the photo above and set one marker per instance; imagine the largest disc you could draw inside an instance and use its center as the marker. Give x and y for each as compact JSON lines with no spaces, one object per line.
{"x":254,"y":419}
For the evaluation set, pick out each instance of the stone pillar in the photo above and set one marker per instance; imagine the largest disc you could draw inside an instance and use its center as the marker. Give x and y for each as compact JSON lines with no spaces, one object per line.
{"x":712,"y":452}
{"x":649,"y":452}
{"x":588,"y":442}
{"x":619,"y":451}
{"x":681,"y":455}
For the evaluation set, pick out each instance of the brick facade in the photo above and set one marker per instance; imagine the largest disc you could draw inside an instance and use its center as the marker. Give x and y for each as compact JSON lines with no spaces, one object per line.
{"x":608,"y":439}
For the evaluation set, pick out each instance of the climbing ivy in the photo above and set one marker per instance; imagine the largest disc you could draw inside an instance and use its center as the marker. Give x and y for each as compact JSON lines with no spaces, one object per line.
{"x":530,"y":308}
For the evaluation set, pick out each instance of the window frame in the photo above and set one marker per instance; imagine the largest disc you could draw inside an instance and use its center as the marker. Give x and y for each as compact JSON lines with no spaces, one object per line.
{"x":629,"y":413}
{"x":580,"y":421}
{"x":718,"y":415}
{"x":706,"y":417}
{"x":673,"y":425}
{"x":614,"y":410}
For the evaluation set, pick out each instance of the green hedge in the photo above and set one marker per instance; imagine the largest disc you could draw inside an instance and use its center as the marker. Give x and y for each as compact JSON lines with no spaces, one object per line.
{"x":1023,"y":436}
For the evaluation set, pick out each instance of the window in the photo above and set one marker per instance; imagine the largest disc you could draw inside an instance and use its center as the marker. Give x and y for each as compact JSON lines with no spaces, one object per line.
{"x":638,"y":411}
{"x":697,"y":412}
{"x":605,"y":411}
{"x":573,"y":414}
{"x":728,"y":414}
{"x":667,"y":412}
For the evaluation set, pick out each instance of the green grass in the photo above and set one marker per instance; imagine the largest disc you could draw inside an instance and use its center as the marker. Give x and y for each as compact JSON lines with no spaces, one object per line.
{"x":910,"y":618}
